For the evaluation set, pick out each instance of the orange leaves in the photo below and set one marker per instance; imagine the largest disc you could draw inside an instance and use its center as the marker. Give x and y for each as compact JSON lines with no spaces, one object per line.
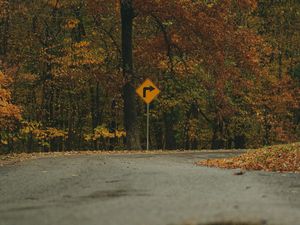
{"x":282,"y":158}
{"x":206,"y":52}
{"x":9,"y":113}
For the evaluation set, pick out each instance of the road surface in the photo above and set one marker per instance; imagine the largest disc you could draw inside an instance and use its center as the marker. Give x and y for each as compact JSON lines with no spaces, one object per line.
{"x":143,"y":190}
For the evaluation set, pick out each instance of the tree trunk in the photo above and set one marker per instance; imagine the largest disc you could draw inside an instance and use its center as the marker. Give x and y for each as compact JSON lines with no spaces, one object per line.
{"x":93,"y":108}
{"x":170,"y":140}
{"x":129,"y":96}
{"x":280,"y":64}
{"x":217,"y":141}
{"x":4,"y":27}
{"x":267,"y":128}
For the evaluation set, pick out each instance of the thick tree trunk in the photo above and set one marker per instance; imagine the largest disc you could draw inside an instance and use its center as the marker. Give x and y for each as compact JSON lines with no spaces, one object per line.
{"x":95,"y":109}
{"x":95,"y":106}
{"x":4,"y":28}
{"x":130,"y":112}
{"x":217,"y":141}
{"x":170,"y":139}
{"x":47,"y":100}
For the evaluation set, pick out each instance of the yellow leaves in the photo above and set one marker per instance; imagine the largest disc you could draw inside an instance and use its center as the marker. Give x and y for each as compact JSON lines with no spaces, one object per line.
{"x":71,"y":24}
{"x":210,"y":5}
{"x":26,"y":130}
{"x":29,"y":127}
{"x":42,"y":135}
{"x":67,"y":40}
{"x":82,"y":44}
{"x":78,"y":57}
{"x":56,"y":133}
{"x":163,"y":64}
{"x":120,"y":134}
{"x":49,"y":133}
{"x":4,"y":142}
{"x":103,"y":132}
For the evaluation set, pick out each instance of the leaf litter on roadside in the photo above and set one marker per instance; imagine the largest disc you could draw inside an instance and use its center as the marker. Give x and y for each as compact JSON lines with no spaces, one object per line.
{"x":279,"y":158}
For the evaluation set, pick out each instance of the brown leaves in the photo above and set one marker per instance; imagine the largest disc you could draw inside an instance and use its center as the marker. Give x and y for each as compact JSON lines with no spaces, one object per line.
{"x":4,"y":7}
{"x":281,"y":158}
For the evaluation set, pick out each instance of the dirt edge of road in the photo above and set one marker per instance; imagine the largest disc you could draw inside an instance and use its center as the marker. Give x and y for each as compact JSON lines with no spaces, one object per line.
{"x":15,"y":158}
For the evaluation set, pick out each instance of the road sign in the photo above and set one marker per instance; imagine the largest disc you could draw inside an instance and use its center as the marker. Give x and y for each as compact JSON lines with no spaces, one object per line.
{"x":148,"y":91}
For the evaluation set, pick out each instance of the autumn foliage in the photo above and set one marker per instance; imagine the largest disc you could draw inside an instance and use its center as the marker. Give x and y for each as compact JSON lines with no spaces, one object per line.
{"x":10,"y":114}
{"x":281,"y":158}
{"x":228,"y":71}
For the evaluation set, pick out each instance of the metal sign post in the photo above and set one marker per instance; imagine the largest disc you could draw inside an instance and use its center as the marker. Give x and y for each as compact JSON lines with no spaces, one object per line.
{"x":148,"y":125}
{"x":148,"y":91}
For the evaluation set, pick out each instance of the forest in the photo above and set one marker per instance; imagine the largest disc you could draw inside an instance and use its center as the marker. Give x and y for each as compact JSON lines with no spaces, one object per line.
{"x":228,"y":72}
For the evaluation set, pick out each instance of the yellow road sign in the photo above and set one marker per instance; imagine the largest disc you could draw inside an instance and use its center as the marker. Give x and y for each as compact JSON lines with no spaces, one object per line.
{"x":148,"y":91}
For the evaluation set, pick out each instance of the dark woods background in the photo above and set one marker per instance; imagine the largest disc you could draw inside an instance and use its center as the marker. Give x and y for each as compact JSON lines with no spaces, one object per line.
{"x":229,"y":72}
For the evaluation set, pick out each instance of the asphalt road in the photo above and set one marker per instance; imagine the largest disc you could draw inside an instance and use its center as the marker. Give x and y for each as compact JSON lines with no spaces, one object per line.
{"x":143,"y":190}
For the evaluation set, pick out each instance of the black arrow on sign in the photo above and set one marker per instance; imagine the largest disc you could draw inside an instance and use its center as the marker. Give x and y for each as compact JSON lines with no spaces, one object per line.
{"x":149,"y":88}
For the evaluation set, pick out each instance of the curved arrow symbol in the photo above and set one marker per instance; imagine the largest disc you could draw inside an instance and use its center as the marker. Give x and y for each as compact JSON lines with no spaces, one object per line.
{"x":149,"y":88}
